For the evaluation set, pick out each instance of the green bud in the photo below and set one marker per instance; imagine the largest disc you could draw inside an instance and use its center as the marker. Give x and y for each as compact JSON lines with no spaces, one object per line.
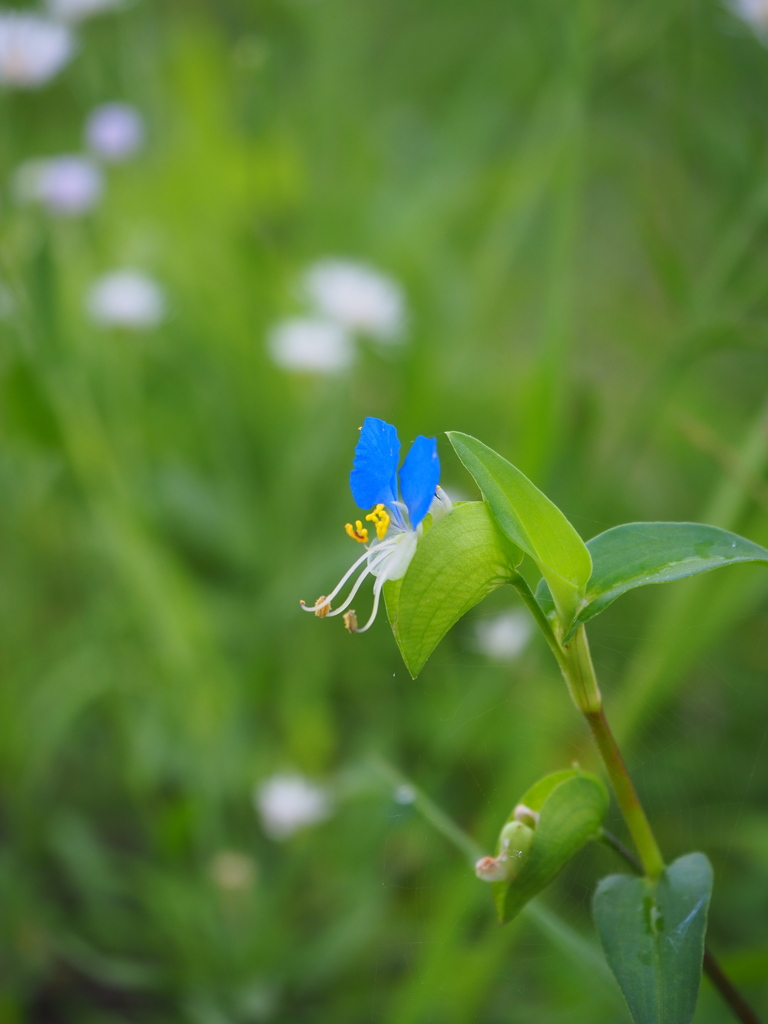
{"x":526,"y":815}
{"x":515,"y":844}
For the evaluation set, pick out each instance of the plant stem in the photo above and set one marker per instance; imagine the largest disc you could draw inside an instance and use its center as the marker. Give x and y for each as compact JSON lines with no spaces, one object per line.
{"x":578,"y":671}
{"x":628,"y":800}
{"x":576,"y":665}
{"x":741,"y":1009}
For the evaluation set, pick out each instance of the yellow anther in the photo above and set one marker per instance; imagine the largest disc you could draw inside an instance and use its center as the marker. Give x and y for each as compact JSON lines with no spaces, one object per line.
{"x":321,"y":610}
{"x":380,"y":519}
{"x":357,"y":532}
{"x":350,"y":621}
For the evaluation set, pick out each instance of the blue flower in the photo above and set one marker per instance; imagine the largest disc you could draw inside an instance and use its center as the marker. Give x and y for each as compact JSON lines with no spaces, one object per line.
{"x":398,"y":502}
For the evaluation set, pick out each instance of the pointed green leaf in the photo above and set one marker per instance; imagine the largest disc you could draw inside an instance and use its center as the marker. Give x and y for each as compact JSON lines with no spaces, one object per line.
{"x":653,"y":937}
{"x":460,"y":559}
{"x":531,"y":521}
{"x":571,"y":805}
{"x":636,"y":554}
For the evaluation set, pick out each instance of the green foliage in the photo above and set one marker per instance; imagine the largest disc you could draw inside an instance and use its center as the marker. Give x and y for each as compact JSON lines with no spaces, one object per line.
{"x":653,"y":937}
{"x":530,"y":520}
{"x":573,"y":200}
{"x":571,"y":806}
{"x":461,"y":559}
{"x":636,"y":554}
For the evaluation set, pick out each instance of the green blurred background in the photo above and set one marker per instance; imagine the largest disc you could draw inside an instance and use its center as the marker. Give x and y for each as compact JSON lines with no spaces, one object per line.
{"x":574,"y":199}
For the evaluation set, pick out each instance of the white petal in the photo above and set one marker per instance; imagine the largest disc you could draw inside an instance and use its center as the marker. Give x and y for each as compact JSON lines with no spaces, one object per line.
{"x":506,"y":636}
{"x":289,"y":802}
{"x":126,"y":298}
{"x":32,"y":49}
{"x":305,"y":345}
{"x":356,"y":296}
{"x":395,"y":564}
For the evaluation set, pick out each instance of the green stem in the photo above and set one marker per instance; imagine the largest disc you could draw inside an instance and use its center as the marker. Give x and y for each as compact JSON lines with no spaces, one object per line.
{"x":578,"y":671}
{"x":581,"y":673}
{"x":576,"y":664}
{"x":628,"y":800}
{"x":521,"y":586}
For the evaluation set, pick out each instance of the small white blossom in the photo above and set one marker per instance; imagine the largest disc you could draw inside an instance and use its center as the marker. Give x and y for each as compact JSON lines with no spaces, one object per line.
{"x":77,"y":10}
{"x":115,"y":131}
{"x":753,"y":12}
{"x":405,"y":794}
{"x":287,"y":803}
{"x":126,"y":298}
{"x":306,"y":345}
{"x":66,"y":185}
{"x":357,"y":297}
{"x":32,"y":49}
{"x":504,"y":637}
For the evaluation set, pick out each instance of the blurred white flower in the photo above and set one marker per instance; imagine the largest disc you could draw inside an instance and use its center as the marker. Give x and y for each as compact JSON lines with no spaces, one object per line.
{"x":405,"y":794}
{"x":287,"y":803}
{"x":126,"y":298}
{"x":76,"y":10}
{"x":306,"y":345}
{"x":504,"y":637}
{"x":67,"y":185}
{"x":357,"y":297}
{"x":233,"y":871}
{"x":115,"y":131}
{"x":754,"y":12}
{"x":32,"y":49}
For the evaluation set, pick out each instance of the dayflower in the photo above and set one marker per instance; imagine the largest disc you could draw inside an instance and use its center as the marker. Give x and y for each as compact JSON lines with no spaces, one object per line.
{"x":66,"y":185}
{"x":506,"y":636}
{"x":309,"y":345}
{"x":397,"y":512}
{"x":126,"y":298}
{"x":356,"y":296}
{"x":32,"y":49}
{"x":115,"y":131}
{"x":289,"y":802}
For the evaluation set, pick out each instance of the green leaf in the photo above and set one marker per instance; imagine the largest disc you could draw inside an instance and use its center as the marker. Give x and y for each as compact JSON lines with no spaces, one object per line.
{"x":653,"y":937}
{"x":571,"y":805}
{"x":636,"y":554}
{"x":531,"y":521}
{"x":460,"y":559}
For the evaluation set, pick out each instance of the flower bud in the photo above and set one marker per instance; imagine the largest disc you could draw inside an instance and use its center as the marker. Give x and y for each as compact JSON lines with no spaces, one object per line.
{"x":515,"y":844}
{"x":526,"y":815}
{"x":491,"y":869}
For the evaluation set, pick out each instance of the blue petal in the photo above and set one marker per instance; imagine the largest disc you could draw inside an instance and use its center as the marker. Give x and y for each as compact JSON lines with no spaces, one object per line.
{"x":419,"y":477}
{"x":374,"y":476}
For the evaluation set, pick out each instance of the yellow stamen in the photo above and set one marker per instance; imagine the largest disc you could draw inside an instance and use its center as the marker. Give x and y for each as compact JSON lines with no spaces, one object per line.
{"x":323,"y":610}
{"x":350,"y":621}
{"x":380,"y":519}
{"x":357,"y":532}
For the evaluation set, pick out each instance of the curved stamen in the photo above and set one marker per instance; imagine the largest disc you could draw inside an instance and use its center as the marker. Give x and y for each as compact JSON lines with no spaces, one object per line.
{"x":372,"y":567}
{"x":351,"y":596}
{"x":377,"y":589}
{"x":375,"y":563}
{"x":337,"y":588}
